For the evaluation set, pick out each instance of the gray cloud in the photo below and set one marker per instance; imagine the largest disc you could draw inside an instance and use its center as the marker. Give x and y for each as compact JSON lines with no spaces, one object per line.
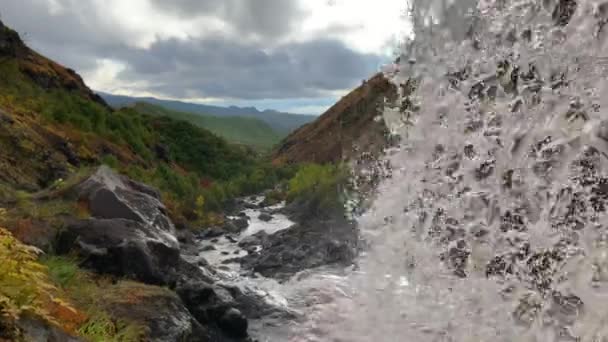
{"x":221,"y":68}
{"x":266,"y":18}
{"x":198,"y":67}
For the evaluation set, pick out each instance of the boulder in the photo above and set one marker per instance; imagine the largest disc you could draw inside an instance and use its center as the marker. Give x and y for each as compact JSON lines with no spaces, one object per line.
{"x":260,"y":238}
{"x":242,"y":224}
{"x":236,"y":226}
{"x":110,"y":195}
{"x":208,"y":248}
{"x":159,"y":310}
{"x":265,"y":217}
{"x":304,"y":246}
{"x":129,"y":233}
{"x":122,"y":248}
{"x":210,"y":233}
{"x":214,"y":307}
{"x":233,"y":323}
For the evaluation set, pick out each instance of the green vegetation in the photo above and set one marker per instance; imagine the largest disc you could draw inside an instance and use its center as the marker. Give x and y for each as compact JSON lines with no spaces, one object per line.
{"x":94,"y":296}
{"x":247,"y":131}
{"x":321,"y":186}
{"x":184,"y":161}
{"x":25,"y":287}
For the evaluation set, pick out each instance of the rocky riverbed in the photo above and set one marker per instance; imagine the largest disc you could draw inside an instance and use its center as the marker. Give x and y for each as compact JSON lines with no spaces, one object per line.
{"x":251,"y":279}
{"x":270,"y":262}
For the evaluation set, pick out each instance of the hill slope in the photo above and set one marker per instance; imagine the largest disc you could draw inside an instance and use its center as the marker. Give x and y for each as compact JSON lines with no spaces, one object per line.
{"x":247,"y":131}
{"x":52,"y":126}
{"x":282,"y":123}
{"x":350,"y":127}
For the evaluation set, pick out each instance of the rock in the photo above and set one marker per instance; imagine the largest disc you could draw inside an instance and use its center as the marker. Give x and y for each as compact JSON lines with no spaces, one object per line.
{"x":258,"y":239}
{"x":184,"y":236}
{"x":37,"y":330}
{"x":248,"y":205}
{"x":210,"y":233}
{"x":231,"y":228}
{"x":111,"y":196}
{"x":307,"y":245}
{"x":236,"y":226}
{"x":265,"y":217}
{"x":241,"y":224}
{"x":122,"y":248}
{"x":130,"y":234}
{"x":255,"y":304}
{"x":208,"y":248}
{"x":159,"y":310}
{"x":231,"y":238}
{"x":214,"y":307}
{"x":243,"y":215}
{"x":234,"y":323}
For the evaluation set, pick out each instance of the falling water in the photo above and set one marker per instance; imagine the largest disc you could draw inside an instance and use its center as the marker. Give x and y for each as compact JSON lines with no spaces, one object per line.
{"x":493,"y":226}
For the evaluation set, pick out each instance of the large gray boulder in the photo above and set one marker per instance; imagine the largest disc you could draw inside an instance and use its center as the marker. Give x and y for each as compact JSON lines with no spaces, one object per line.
{"x":129,"y":233}
{"x":110,"y":195}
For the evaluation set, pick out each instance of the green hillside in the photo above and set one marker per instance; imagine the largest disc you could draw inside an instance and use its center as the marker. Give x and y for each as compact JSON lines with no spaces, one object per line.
{"x":247,"y":131}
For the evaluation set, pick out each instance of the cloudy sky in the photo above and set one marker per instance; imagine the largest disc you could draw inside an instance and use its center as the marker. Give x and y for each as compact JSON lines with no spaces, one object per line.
{"x":291,"y":55}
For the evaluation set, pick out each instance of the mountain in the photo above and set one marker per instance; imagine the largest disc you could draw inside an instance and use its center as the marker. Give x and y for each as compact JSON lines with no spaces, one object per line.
{"x":352,"y":126}
{"x":282,"y":123}
{"x":108,"y":264}
{"x":241,"y":130}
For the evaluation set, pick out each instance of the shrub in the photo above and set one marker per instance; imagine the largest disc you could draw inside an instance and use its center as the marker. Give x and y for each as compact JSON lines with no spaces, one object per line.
{"x":26,"y":287}
{"x":319,"y":185}
{"x":87,"y":291}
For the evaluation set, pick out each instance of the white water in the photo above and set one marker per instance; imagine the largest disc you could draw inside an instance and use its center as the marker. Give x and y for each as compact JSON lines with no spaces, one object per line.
{"x":519,"y":215}
{"x":493,"y":226}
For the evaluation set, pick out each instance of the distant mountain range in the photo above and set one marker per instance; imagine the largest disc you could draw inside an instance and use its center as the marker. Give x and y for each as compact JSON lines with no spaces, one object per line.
{"x":246,"y":131}
{"x":282,"y":123}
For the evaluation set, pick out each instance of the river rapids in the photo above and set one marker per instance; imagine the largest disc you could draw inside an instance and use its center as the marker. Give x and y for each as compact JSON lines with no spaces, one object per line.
{"x":493,"y":225}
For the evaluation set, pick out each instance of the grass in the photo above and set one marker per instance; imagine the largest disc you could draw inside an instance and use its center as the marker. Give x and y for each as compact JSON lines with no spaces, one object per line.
{"x":91,"y":294}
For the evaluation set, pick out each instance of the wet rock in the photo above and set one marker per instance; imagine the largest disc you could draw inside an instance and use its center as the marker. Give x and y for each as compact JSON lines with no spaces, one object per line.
{"x":307,"y":245}
{"x":236,"y":226}
{"x":214,"y":307}
{"x":184,"y":236}
{"x":265,"y":217}
{"x":231,"y":239}
{"x":243,"y":215}
{"x":110,"y":196}
{"x":161,"y":311}
{"x":234,"y":323}
{"x":248,"y":205}
{"x":258,"y":239}
{"x":123,"y":248}
{"x":208,"y":248}
{"x":211,"y":233}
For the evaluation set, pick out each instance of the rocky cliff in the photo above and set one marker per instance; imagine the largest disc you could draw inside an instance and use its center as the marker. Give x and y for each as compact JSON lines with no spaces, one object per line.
{"x":352,"y":126}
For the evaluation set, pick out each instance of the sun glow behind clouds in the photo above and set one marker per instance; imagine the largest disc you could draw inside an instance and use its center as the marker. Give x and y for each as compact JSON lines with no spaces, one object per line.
{"x":370,"y":26}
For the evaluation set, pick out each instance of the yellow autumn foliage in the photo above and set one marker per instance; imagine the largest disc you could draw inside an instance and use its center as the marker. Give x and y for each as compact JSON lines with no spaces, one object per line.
{"x":26,"y":288}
